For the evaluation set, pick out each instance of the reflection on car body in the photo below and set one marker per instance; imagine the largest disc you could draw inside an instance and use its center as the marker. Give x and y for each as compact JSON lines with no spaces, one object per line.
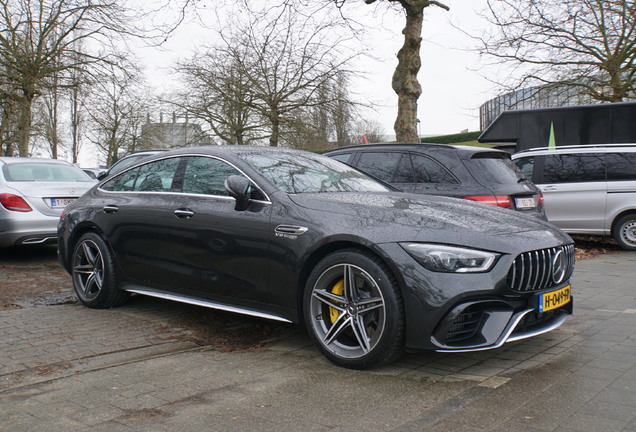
{"x":297,"y":237}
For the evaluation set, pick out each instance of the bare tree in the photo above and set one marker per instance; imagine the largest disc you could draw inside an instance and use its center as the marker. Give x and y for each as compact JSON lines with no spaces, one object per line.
{"x":372,"y":130}
{"x":218,"y":93}
{"x":404,"y":81}
{"x":585,"y":45}
{"x":38,"y":40}
{"x":48,"y":115}
{"x":116,"y":109}
{"x":285,"y":58}
{"x":77,"y":96}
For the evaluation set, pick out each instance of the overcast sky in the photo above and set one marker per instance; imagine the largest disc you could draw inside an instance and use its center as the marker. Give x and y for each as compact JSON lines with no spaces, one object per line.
{"x":452,"y":85}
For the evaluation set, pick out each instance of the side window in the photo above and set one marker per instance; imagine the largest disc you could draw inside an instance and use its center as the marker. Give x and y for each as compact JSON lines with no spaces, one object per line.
{"x":526,"y":165}
{"x":428,"y":170}
{"x":206,"y":176}
{"x":155,"y":176}
{"x":621,"y":166}
{"x":404,"y":172}
{"x":574,"y":168}
{"x":344,"y":157}
{"x":380,"y":165}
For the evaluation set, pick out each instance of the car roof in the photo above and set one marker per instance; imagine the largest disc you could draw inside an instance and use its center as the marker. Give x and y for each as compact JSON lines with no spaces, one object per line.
{"x":590,"y":148}
{"x":230,"y":149}
{"x":417,"y":146}
{"x":10,"y":160}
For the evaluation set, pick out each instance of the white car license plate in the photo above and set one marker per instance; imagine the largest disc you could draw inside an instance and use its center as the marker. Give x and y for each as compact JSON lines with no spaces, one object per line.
{"x":58,"y":203}
{"x":524,"y":203}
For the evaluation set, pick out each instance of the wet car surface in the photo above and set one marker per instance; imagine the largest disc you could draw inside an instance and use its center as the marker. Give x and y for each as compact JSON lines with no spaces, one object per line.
{"x":296,"y":237}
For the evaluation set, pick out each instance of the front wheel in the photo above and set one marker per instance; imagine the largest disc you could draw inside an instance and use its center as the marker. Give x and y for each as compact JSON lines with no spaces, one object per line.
{"x":625,"y":232}
{"x":353,"y":310}
{"x":94,"y":275}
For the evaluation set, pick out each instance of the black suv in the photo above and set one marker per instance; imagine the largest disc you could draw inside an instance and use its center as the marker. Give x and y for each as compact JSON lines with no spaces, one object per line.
{"x":474,"y":173}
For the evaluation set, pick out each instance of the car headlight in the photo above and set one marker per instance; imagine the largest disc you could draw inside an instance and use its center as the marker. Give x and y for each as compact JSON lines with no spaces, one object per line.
{"x":451,"y":259}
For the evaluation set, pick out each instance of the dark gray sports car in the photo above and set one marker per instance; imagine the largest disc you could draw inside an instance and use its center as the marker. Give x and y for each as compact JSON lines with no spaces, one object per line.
{"x":292,"y":236}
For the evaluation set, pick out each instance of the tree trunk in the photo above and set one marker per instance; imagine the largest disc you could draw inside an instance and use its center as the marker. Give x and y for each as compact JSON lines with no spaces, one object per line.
{"x":75,"y":121}
{"x":24,"y":124}
{"x":275,"y":119}
{"x":405,"y":81}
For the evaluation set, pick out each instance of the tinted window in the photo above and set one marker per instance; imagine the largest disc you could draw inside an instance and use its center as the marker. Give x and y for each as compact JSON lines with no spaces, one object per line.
{"x":156,"y":176}
{"x":621,"y":166}
{"x":344,"y":157}
{"x":125,"y":162}
{"x":572,"y":168}
{"x":495,"y":168}
{"x":295,"y":173}
{"x":207,"y":176}
{"x":429,"y":171}
{"x":404,"y":171}
{"x":526,"y":165}
{"x":380,"y":165}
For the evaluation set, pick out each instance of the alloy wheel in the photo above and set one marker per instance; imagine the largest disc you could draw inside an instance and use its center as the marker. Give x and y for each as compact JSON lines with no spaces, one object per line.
{"x":88,"y":270}
{"x":347,"y":311}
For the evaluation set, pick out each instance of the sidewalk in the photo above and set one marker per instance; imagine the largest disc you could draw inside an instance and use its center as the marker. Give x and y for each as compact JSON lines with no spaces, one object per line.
{"x":66,"y":367}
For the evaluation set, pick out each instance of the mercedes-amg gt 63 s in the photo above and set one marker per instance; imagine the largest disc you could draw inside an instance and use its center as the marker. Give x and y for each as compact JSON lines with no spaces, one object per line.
{"x":297,"y":237}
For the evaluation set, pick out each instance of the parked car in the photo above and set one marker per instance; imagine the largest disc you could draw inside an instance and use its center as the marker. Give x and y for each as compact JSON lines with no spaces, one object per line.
{"x":94,"y":173}
{"x":587,"y":189}
{"x":298,"y":237}
{"x":473,"y":173}
{"x":33,"y":193}
{"x":126,"y":161}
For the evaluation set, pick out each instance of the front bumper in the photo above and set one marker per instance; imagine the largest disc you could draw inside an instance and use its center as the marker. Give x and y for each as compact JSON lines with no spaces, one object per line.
{"x":471,"y":311}
{"x":487,"y":324}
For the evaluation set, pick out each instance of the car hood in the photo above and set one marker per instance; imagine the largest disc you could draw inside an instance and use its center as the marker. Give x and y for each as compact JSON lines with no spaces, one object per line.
{"x":409,"y":217}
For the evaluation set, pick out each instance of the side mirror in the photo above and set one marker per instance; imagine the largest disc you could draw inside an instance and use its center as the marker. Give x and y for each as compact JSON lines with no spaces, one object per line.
{"x":238,"y":187}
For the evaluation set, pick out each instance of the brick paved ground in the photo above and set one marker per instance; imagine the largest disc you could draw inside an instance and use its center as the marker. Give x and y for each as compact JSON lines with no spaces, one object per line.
{"x":70,"y":368}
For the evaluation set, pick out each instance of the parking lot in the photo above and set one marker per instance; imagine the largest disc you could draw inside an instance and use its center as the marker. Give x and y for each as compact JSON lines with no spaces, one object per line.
{"x":155,"y":365}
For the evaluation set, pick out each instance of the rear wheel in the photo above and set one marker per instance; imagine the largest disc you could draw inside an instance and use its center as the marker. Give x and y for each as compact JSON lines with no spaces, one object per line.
{"x":625,"y":232}
{"x":353,"y":310}
{"x":94,"y":275}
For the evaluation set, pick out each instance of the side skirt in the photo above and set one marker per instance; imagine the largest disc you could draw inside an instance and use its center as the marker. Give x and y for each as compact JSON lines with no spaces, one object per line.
{"x":207,"y":303}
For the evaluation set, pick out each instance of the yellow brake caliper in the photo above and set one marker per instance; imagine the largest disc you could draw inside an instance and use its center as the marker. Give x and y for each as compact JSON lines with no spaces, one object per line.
{"x":338,"y":289}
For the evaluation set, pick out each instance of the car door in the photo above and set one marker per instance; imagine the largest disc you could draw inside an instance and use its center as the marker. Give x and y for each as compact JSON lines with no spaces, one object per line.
{"x":621,"y":185}
{"x":575,"y":191}
{"x":135,"y":206}
{"x":217,"y":252}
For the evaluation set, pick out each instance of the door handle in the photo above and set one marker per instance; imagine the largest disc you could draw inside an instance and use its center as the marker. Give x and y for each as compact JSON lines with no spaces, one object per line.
{"x":549,"y":188}
{"x":110,"y":209}
{"x":183,"y":213}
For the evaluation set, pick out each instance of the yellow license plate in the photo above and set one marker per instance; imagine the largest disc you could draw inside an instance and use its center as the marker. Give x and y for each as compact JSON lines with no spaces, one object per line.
{"x":554,"y":299}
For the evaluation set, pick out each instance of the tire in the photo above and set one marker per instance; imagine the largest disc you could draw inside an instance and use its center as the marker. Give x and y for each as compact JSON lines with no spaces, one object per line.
{"x":94,"y":275}
{"x":625,"y":232}
{"x":357,"y":325}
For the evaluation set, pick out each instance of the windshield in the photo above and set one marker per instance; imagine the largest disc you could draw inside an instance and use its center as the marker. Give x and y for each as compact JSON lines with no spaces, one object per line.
{"x":44,"y":172}
{"x":306,"y":173}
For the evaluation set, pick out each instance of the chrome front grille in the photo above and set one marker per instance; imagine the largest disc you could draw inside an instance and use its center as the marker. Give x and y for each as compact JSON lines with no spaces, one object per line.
{"x":541,"y":269}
